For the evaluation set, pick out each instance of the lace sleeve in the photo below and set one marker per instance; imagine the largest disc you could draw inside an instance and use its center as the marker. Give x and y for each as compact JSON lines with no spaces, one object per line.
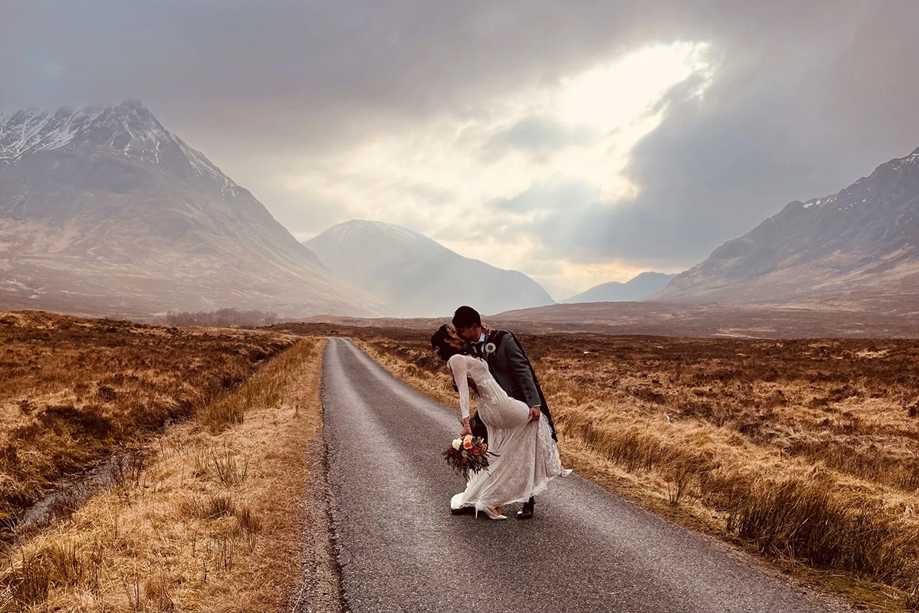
{"x":460,"y":369}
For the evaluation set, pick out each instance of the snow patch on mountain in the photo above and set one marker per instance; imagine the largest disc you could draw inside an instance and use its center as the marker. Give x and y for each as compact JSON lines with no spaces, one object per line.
{"x":346,"y":231}
{"x":128,"y":128}
{"x":857,"y":245}
{"x":105,"y":211}
{"x":848,"y":198}
{"x":204,"y":168}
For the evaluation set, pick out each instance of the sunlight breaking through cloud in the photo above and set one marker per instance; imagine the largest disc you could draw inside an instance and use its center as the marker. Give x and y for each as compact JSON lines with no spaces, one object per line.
{"x":561,"y":145}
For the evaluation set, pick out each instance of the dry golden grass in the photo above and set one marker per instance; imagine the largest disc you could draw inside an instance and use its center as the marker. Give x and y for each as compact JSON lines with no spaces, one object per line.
{"x":212,"y":522}
{"x":806,"y":451}
{"x":73,"y":390}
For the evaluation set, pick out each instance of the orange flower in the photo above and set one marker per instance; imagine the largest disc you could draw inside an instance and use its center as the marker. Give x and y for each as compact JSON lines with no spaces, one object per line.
{"x":467,"y":442}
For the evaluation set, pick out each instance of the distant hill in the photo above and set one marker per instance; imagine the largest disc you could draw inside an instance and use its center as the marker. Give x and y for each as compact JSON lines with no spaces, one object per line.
{"x":558,"y":292}
{"x":418,"y":277}
{"x":650,"y":318}
{"x":103,"y":211}
{"x":859,"y":246}
{"x":638,"y":287}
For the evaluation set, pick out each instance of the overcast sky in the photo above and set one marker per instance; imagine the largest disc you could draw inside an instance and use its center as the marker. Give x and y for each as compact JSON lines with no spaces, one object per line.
{"x":579,"y":142}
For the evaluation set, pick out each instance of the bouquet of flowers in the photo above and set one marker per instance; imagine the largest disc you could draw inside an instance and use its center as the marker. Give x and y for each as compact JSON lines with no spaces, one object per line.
{"x":467,"y":455}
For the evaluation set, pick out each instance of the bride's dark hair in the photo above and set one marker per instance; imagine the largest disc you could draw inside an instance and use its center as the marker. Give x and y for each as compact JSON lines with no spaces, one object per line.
{"x":439,"y":343}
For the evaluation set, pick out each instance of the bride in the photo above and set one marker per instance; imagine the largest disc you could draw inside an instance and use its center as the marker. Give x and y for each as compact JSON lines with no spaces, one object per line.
{"x":525,"y":455}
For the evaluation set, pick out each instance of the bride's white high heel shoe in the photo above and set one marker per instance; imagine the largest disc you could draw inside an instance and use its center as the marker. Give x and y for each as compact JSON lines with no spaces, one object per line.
{"x":493,"y":513}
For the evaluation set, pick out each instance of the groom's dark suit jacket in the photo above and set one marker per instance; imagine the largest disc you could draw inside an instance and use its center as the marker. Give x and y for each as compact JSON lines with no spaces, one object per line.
{"x":511,"y":368}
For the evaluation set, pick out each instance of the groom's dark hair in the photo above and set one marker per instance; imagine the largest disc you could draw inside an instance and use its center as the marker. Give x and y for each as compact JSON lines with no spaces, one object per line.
{"x":466,"y":317}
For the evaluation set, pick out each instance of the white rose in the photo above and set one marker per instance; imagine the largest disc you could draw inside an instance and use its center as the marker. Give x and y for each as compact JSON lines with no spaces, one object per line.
{"x":457,"y":443}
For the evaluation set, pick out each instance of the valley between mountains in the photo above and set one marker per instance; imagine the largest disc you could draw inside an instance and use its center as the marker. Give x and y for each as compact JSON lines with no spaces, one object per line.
{"x":103,"y":211}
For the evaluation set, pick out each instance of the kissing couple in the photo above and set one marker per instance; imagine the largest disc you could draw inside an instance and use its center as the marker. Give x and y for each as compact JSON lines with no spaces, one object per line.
{"x":512,"y":416}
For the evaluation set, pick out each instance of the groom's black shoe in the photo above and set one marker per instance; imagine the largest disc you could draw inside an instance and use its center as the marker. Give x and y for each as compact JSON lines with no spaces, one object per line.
{"x":463,"y":511}
{"x":527,"y":511}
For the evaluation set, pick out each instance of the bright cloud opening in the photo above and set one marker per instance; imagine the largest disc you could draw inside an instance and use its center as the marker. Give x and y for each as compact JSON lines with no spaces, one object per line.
{"x":478,"y":180}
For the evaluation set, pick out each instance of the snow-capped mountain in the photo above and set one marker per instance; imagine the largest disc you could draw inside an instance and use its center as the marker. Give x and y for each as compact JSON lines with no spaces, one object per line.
{"x":640,"y":286}
{"x":103,"y":210}
{"x":418,"y":276}
{"x":861,"y":244}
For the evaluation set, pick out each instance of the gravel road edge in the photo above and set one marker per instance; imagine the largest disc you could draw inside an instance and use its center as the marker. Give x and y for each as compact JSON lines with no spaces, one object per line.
{"x":320,"y":587}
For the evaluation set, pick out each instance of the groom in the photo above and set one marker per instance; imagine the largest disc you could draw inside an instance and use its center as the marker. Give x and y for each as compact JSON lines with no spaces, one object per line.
{"x":510,"y":367}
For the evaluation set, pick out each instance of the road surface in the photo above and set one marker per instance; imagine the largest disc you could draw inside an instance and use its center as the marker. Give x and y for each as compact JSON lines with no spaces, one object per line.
{"x":585,"y":550}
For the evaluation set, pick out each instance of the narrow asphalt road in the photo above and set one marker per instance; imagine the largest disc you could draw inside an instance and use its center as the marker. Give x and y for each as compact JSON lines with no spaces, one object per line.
{"x":586,"y":549}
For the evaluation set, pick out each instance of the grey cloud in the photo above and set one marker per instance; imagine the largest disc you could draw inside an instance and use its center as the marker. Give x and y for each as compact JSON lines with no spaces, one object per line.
{"x":555,"y":195}
{"x":799,"y":108}
{"x":272,"y":70}
{"x":262,"y":87}
{"x":807,"y":96}
{"x":538,"y":136}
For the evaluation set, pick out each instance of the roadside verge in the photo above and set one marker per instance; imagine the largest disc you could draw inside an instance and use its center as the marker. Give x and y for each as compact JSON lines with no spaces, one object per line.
{"x":212,"y":518}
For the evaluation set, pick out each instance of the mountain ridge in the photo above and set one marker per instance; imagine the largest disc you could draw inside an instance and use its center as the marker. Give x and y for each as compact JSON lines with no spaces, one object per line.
{"x":417,"y":275}
{"x":105,"y":206}
{"x":638,"y":287}
{"x":858,"y":245}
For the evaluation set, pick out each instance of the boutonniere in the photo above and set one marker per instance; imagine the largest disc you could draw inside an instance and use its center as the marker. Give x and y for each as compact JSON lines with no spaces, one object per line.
{"x":490,"y":347}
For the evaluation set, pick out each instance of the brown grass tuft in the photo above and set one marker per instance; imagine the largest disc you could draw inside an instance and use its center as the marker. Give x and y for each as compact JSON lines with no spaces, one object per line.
{"x":212,"y":506}
{"x":248,"y":520}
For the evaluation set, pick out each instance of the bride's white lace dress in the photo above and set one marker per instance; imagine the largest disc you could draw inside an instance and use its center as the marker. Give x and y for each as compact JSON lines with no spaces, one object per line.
{"x":526,"y":455}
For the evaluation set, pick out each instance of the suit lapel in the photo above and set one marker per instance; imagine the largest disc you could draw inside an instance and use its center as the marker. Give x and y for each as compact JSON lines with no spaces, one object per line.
{"x":489,"y":357}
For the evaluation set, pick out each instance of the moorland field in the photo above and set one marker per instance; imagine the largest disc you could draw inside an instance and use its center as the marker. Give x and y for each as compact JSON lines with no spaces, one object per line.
{"x":804,"y":450}
{"x":72,"y":390}
{"x":204,"y":509}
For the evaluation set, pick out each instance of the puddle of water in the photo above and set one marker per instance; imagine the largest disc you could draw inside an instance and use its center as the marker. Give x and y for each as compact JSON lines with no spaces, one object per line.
{"x":70,"y":494}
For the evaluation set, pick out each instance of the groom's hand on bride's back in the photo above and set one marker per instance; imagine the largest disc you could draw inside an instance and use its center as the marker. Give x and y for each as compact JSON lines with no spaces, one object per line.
{"x":535,"y":412}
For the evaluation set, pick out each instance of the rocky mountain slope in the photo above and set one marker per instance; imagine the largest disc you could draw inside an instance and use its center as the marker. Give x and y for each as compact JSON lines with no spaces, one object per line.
{"x":640,"y":286}
{"x":855,"y":247}
{"x":417,"y":276}
{"x":104,"y":211}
